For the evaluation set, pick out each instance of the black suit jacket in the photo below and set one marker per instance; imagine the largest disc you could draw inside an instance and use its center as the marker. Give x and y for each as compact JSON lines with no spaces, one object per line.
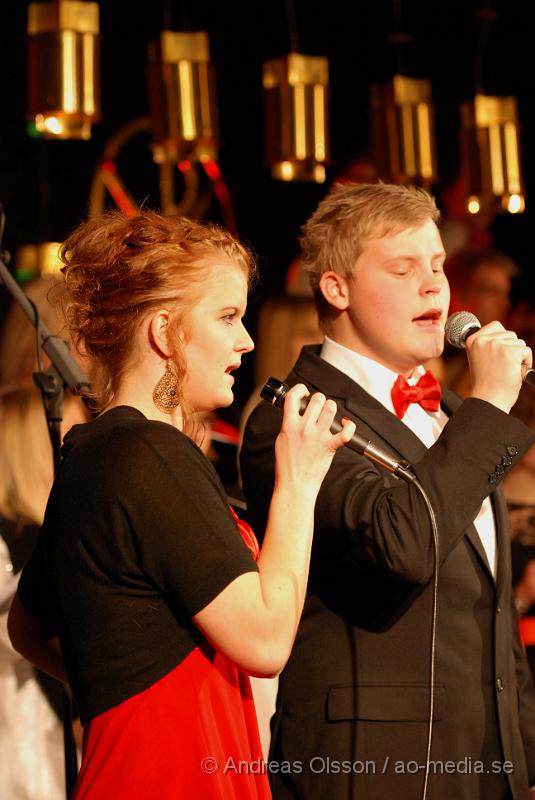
{"x":352,"y":709}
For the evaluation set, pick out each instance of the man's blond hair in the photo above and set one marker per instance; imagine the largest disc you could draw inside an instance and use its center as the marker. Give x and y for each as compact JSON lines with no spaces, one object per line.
{"x":350,"y":216}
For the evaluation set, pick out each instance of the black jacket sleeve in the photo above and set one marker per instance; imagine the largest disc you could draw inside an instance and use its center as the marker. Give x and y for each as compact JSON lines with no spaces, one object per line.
{"x":383,"y":520}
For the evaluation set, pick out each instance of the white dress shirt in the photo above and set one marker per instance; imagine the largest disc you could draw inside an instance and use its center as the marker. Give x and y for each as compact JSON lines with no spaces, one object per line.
{"x":378,"y":380}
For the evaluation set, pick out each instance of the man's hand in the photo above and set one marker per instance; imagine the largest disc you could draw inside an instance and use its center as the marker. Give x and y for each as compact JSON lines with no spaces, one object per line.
{"x":498,"y":359}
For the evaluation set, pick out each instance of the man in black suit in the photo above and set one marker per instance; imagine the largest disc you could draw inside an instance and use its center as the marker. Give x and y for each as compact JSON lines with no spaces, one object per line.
{"x":353,"y":703}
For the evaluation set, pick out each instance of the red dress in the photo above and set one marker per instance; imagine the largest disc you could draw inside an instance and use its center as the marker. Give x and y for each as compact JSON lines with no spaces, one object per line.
{"x":192,"y":734}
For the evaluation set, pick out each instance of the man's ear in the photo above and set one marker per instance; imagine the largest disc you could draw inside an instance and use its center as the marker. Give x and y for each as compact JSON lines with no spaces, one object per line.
{"x":335,"y":290}
{"x":159,"y":332}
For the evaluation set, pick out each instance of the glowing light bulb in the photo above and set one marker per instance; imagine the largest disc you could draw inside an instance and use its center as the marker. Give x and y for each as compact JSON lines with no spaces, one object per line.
{"x":473,"y":205}
{"x":515,"y":204}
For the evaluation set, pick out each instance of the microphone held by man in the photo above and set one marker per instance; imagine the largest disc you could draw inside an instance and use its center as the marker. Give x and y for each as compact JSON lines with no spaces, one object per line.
{"x":463,"y":324}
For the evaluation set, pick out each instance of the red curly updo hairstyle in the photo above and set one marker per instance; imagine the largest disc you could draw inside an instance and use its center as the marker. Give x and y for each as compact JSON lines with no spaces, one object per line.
{"x":118,"y":269}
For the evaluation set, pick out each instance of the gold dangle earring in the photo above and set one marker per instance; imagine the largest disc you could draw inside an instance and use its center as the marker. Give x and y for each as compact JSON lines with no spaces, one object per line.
{"x":166,"y":395}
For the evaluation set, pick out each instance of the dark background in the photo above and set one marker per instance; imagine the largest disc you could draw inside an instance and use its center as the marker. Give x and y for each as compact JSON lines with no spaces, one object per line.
{"x":44,"y":185}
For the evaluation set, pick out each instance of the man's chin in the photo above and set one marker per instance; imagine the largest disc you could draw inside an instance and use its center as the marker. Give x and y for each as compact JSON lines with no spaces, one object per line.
{"x":433,"y":349}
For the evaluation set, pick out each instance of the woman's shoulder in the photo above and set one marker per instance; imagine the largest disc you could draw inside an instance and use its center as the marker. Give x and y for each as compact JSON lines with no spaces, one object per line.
{"x":123,"y":451}
{"x":126,"y":424}
{"x":128,"y":440}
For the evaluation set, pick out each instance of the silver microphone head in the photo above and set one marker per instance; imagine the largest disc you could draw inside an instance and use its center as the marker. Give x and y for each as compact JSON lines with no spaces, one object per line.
{"x":274,"y":392}
{"x":459,"y":326}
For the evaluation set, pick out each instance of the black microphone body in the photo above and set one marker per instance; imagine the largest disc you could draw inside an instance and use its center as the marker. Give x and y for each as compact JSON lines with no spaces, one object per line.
{"x":461,"y":325}
{"x":274,"y":392}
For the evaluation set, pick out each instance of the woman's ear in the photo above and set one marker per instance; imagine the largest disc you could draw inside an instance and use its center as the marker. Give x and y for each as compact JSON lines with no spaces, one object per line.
{"x":335,"y":290}
{"x":160,"y":331}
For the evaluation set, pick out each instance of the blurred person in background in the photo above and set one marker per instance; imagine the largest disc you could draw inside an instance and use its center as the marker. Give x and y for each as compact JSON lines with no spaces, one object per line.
{"x":286,"y":324}
{"x":480,"y":282}
{"x":31,"y":753}
{"x":519,"y":489}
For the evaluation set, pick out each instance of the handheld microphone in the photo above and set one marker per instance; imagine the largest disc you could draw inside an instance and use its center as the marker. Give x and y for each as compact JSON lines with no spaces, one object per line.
{"x":274,"y":392}
{"x":461,"y":325}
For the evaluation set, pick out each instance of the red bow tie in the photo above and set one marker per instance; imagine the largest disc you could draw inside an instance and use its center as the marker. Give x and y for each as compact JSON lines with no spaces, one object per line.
{"x":426,"y":392}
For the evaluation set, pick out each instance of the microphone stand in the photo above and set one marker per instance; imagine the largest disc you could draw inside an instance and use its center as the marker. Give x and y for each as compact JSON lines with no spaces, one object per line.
{"x":63,"y":372}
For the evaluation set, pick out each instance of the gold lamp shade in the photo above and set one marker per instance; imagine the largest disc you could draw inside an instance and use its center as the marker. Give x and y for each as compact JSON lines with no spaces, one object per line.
{"x":182,"y":97}
{"x":63,"y":51}
{"x":403,"y":131}
{"x":37,"y":259}
{"x":490,"y":154}
{"x":296,"y":100}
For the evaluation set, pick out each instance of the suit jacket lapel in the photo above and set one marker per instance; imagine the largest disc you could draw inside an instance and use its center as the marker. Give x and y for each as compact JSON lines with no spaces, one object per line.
{"x":503,"y":542}
{"x":394,"y":435}
{"x":450,"y":403}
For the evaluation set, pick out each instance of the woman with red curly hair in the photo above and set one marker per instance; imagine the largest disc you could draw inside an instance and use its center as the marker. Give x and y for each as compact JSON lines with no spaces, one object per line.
{"x":144,"y":591}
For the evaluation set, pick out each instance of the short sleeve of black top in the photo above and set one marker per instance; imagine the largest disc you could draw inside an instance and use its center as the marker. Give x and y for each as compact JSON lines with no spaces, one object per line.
{"x":137,"y":538}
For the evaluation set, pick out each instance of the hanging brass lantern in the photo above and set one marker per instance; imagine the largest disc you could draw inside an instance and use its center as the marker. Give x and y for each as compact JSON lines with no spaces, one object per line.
{"x":490,"y":154}
{"x":403,"y":131}
{"x":296,"y":102}
{"x":63,"y":50}
{"x":182,"y":98}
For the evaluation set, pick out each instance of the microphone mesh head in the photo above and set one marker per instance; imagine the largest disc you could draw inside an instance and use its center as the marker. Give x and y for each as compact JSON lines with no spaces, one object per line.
{"x":459,"y":326}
